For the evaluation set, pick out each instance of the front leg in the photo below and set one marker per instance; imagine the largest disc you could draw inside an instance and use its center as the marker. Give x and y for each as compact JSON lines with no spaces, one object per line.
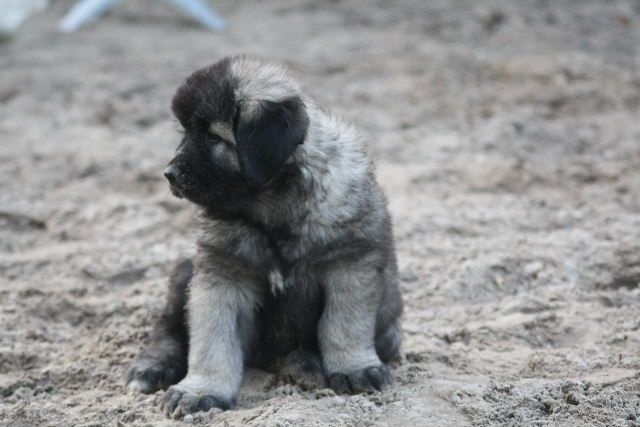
{"x":347,"y":327}
{"x":220,"y":317}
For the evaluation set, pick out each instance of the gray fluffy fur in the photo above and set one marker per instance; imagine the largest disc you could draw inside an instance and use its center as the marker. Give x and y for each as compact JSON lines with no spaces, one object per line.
{"x":298,"y":276}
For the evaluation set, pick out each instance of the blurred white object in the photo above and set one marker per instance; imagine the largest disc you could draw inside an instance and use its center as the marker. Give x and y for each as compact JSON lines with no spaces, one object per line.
{"x":14,"y":12}
{"x":86,"y":11}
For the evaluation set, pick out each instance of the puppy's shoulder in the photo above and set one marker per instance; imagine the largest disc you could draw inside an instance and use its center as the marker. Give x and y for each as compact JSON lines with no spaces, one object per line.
{"x":342,"y":173}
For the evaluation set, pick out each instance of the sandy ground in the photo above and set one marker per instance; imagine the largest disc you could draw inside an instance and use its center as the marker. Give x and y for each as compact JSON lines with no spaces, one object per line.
{"x":507,"y":135}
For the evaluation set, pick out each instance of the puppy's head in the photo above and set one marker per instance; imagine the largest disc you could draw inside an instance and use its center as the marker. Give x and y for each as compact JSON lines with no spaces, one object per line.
{"x":242,"y":120}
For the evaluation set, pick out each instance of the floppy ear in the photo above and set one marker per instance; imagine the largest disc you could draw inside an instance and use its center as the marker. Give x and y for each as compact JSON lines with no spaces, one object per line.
{"x":267,"y":133}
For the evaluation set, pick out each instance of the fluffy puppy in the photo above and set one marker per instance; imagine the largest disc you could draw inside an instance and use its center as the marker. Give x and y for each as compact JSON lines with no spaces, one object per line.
{"x":295,"y":268}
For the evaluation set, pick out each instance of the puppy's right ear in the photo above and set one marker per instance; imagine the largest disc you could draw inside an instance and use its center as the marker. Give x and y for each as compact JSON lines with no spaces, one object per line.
{"x":267,"y":133}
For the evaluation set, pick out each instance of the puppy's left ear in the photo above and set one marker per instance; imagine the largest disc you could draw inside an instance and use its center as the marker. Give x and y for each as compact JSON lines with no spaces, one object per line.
{"x":267,"y":133}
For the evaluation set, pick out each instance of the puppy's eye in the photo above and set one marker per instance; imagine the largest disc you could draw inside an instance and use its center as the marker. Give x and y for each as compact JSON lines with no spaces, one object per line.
{"x":212,"y":135}
{"x":222,"y":131}
{"x":212,"y":138}
{"x":224,"y":154}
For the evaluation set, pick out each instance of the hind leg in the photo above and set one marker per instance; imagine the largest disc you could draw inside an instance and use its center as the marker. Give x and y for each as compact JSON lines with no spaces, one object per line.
{"x":303,"y":368}
{"x":164,"y":361}
{"x":388,"y":343}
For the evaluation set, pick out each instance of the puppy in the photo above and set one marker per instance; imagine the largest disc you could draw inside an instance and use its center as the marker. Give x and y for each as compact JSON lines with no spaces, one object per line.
{"x":295,"y":268}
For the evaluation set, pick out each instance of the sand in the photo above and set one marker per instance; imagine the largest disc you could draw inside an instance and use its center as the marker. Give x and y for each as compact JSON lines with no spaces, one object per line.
{"x":506,"y":135}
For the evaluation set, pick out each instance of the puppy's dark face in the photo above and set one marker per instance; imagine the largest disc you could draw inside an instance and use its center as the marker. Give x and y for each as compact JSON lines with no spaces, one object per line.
{"x":231,"y":148}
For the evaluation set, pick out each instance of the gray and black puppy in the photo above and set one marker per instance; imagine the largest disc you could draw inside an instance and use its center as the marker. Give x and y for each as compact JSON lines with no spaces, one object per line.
{"x":295,"y":269}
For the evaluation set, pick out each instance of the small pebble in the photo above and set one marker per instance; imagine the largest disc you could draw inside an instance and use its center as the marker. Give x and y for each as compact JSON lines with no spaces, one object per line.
{"x":340,"y":400}
{"x":573,"y":398}
{"x":533,"y":268}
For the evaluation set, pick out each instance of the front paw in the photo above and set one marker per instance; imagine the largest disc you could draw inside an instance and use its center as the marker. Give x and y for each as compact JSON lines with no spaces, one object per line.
{"x":182,"y":399}
{"x":367,"y":380}
{"x":162,"y":364}
{"x":304,"y":369}
{"x":147,"y":375}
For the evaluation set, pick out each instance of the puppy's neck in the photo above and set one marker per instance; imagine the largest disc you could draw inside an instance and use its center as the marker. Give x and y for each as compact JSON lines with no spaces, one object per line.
{"x":280,"y":206}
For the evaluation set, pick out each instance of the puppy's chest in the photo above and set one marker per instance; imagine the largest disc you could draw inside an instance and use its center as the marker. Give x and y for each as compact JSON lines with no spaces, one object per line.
{"x":286,"y":261}
{"x":288,"y":264}
{"x":283,"y":256}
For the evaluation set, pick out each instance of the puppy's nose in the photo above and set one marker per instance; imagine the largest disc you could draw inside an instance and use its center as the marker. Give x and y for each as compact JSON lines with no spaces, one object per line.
{"x":171,"y":173}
